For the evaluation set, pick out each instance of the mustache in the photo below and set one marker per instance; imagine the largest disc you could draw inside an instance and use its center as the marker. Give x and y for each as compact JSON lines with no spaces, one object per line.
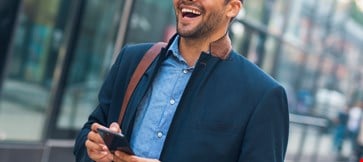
{"x":187,"y":2}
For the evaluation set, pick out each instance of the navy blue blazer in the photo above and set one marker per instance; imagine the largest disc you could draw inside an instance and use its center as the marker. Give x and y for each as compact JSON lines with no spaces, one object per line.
{"x":230,"y":110}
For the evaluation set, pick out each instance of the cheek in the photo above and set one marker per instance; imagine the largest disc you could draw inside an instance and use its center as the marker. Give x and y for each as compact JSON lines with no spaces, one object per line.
{"x":175,"y":3}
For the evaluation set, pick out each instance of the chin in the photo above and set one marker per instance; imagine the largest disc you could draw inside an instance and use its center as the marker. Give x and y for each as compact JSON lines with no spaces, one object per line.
{"x":187,"y":33}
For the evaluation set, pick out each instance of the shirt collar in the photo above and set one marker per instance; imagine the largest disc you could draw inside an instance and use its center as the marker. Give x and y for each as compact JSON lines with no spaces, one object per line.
{"x":174,"y":49}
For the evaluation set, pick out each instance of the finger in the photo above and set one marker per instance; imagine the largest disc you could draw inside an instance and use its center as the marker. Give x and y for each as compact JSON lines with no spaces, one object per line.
{"x":97,"y":151}
{"x":94,"y":126}
{"x":110,"y":157}
{"x":121,"y":156}
{"x":95,"y":146}
{"x":125,"y":157}
{"x":98,"y":155}
{"x":95,"y":137}
{"x":115,"y":127}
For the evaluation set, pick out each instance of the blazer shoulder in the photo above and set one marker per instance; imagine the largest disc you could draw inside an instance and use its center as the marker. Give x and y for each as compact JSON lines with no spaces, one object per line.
{"x":133,"y":52}
{"x":140,"y":48}
{"x":253,"y":74}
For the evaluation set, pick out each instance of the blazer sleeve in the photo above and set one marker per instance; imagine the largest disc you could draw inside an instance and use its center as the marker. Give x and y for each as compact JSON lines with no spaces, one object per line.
{"x":266,"y":134}
{"x":99,"y":115}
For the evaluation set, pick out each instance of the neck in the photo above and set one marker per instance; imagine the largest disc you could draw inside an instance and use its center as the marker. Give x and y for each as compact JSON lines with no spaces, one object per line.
{"x":191,"y":48}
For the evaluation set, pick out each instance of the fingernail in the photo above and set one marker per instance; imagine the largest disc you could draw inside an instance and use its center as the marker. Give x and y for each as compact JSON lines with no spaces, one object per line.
{"x":104,"y":152}
{"x":117,"y":153}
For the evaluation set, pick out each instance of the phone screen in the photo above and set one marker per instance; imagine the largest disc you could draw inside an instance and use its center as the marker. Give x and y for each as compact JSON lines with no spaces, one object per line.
{"x":115,"y":141}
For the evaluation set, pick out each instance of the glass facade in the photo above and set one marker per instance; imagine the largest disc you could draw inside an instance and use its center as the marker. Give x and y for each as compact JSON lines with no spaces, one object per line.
{"x":26,"y":87}
{"x":93,"y":54}
{"x":312,"y":47}
{"x":91,"y":60}
{"x":151,"y":21}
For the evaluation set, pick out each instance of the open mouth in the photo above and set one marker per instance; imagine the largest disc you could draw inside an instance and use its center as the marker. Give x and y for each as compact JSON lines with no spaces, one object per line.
{"x":190,"y":13}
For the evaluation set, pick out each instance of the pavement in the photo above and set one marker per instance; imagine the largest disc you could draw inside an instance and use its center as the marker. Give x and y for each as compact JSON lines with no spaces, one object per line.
{"x":311,"y":145}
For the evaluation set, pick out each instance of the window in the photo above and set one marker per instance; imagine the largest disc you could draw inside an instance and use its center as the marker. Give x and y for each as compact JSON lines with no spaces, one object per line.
{"x":26,"y":88}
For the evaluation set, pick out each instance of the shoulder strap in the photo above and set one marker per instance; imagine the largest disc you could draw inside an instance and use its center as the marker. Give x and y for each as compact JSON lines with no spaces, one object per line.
{"x":145,"y":62}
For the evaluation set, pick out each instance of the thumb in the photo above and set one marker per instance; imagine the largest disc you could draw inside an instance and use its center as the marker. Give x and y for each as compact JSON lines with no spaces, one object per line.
{"x":115,"y":127}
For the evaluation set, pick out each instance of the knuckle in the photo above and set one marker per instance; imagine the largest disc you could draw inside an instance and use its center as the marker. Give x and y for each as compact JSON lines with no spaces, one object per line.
{"x":87,"y":143}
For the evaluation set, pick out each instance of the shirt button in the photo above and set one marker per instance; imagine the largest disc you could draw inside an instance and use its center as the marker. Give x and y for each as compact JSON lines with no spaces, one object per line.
{"x":185,"y":71}
{"x":160,"y":134}
{"x":172,"y":101}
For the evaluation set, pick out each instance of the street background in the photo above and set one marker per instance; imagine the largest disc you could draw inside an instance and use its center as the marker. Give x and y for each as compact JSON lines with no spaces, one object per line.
{"x":55,"y":55}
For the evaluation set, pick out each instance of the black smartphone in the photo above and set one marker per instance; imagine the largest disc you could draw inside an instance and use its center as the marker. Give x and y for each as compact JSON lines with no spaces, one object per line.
{"x":115,"y":141}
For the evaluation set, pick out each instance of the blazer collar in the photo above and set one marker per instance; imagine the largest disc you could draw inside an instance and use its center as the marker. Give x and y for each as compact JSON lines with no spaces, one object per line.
{"x":221,"y":47}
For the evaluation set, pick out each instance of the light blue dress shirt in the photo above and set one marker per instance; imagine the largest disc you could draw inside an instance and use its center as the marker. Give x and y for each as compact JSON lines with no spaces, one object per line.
{"x":157,"y":108}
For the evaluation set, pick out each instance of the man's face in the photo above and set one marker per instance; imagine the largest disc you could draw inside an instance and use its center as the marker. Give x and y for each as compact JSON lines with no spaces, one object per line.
{"x":200,"y":18}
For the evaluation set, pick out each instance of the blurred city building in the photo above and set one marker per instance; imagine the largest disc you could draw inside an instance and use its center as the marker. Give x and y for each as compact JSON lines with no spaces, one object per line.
{"x":56,"y":53}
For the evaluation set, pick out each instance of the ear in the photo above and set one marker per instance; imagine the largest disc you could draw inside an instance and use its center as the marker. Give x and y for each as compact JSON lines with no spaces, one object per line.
{"x":234,"y":6}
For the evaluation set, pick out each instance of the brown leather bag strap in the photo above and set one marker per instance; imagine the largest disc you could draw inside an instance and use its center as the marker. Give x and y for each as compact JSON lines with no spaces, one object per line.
{"x":145,"y":62}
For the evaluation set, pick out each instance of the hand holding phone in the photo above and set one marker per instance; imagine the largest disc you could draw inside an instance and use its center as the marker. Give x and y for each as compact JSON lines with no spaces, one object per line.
{"x":115,"y":141}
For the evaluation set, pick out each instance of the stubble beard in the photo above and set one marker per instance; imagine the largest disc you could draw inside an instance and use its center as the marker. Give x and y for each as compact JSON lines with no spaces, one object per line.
{"x":204,"y":29}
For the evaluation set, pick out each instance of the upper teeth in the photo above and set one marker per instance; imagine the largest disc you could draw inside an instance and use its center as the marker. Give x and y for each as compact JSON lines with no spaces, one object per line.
{"x":185,"y":10}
